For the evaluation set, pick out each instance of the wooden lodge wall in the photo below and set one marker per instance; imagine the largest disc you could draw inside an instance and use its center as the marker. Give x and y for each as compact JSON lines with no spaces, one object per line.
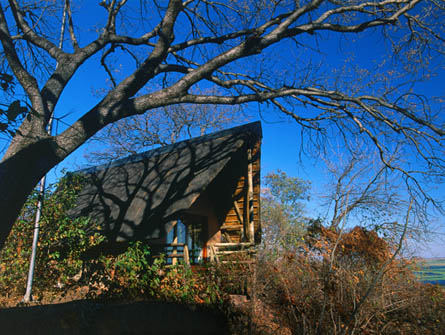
{"x":236,"y":220}
{"x":232,"y":225}
{"x":223,"y":205}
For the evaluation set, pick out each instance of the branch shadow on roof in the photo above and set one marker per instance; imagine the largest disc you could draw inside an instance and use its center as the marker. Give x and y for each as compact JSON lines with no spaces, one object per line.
{"x":137,"y":197}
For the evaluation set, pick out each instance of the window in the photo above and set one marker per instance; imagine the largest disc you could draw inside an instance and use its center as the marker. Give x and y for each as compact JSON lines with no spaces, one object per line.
{"x":190,"y":230}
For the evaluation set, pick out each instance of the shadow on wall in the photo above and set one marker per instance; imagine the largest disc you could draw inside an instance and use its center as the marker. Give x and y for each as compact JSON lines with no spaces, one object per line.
{"x":88,"y":318}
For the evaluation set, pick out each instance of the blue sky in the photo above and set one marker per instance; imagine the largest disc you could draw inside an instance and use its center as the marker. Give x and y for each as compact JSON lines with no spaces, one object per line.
{"x":281,"y":136}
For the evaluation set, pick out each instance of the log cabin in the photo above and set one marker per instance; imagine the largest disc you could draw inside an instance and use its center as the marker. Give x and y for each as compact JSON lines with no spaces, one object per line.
{"x":194,"y":200}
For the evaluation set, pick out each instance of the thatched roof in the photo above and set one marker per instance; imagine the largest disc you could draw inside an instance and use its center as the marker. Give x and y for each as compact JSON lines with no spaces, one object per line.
{"x":136,"y":196}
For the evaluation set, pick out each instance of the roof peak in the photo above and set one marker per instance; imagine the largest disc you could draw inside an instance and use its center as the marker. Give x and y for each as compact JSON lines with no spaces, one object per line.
{"x":253,"y":127}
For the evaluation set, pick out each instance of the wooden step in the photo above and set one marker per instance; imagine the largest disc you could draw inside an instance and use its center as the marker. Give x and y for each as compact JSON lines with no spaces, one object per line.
{"x":240,"y":244}
{"x":174,"y":256}
{"x":232,"y":227}
{"x":231,"y":252}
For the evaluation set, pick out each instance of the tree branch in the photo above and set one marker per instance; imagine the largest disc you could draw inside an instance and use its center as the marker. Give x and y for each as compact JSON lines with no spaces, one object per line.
{"x":31,"y":36}
{"x":73,"y":38}
{"x":27,"y":81}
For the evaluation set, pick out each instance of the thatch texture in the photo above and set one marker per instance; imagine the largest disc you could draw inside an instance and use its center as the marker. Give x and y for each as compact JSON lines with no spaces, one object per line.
{"x":136,"y":197}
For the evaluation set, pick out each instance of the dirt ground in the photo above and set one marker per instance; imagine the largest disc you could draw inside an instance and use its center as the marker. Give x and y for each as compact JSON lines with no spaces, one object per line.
{"x":14,"y":300}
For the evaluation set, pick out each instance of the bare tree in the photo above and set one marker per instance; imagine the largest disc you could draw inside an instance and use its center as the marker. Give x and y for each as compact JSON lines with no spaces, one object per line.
{"x":243,"y":51}
{"x":161,"y":127}
{"x":361,"y":188}
{"x":364,"y":191}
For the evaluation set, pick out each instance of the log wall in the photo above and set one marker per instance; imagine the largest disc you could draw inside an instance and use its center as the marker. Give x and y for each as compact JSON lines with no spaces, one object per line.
{"x":232,"y":227}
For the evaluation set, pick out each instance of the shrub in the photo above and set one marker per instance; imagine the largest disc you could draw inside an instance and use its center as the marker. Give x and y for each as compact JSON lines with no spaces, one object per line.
{"x":134,"y":275}
{"x":322,"y":290}
{"x":62,"y":241}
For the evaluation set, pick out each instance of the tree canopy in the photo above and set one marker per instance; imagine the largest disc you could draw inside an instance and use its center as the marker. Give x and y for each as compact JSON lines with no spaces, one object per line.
{"x":158,"y":54}
{"x":283,"y":222}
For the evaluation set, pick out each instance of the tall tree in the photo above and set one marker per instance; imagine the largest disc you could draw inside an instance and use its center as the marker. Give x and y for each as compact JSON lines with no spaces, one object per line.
{"x":241,"y":51}
{"x":282,"y":211}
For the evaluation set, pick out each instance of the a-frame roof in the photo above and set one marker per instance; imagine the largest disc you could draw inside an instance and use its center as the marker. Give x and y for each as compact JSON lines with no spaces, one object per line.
{"x":136,"y":196}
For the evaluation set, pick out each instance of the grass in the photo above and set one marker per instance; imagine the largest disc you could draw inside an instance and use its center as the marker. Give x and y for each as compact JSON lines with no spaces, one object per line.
{"x":432,"y":271}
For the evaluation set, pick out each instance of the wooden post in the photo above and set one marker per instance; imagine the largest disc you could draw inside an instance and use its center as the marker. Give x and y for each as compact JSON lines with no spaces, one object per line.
{"x":175,"y":241}
{"x":250,"y":226}
{"x":186,"y":254}
{"x":214,"y":256}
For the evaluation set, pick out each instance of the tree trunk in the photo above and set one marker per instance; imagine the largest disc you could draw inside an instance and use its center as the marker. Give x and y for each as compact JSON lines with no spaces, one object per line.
{"x":19,"y":174}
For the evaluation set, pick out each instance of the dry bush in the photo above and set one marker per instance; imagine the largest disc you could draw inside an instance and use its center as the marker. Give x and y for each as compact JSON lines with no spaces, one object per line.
{"x":322,"y":289}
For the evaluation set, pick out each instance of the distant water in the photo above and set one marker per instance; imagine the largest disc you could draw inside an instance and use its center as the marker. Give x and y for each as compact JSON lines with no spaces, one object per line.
{"x":440,"y":282}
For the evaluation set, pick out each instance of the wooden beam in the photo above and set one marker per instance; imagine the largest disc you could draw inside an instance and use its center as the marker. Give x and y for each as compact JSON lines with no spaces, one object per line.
{"x":231,"y":227}
{"x":231,"y":252}
{"x":240,"y":219}
{"x":175,"y":241}
{"x":214,"y":256}
{"x":186,"y":254}
{"x":249,"y":206}
{"x":174,"y":256}
{"x":227,"y":237}
{"x":238,"y":212}
{"x":176,"y":244}
{"x":241,"y":244}
{"x":245,"y":234}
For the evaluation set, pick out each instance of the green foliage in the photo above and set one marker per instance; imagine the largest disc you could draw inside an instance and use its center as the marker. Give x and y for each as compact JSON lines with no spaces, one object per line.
{"x":282,"y":210}
{"x":62,"y":240}
{"x":125,"y":274}
{"x":13,"y":114}
{"x":287,"y":190}
{"x":65,"y":260}
{"x":135,"y":275}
